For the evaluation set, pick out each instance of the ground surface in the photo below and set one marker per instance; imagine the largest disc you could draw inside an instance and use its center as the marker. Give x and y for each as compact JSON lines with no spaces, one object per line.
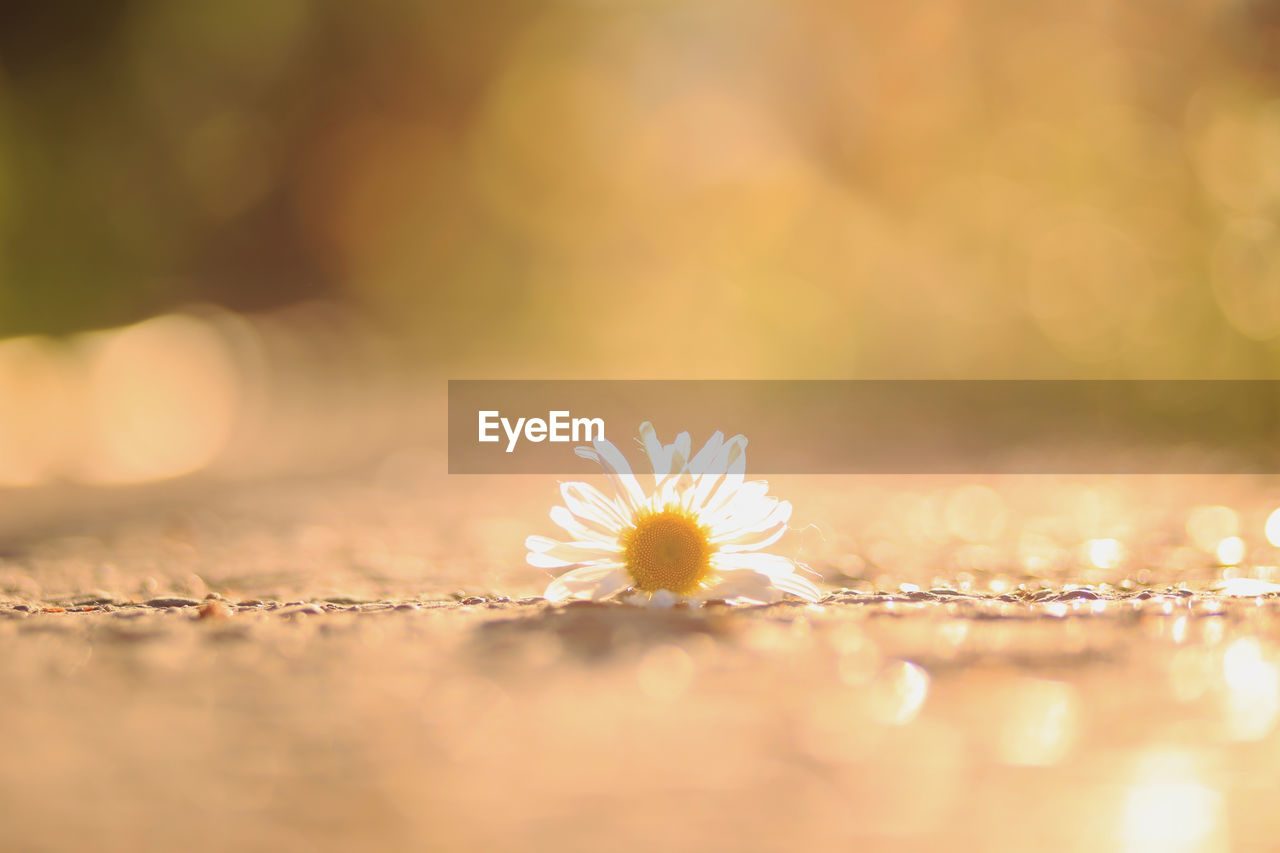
{"x":363,"y":662}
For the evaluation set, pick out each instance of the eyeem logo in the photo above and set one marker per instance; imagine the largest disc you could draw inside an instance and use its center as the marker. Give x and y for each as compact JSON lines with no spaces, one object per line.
{"x":854,"y":426}
{"x":559,"y":426}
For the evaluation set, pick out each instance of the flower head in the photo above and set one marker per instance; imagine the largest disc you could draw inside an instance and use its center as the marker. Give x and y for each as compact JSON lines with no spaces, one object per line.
{"x":697,"y":533}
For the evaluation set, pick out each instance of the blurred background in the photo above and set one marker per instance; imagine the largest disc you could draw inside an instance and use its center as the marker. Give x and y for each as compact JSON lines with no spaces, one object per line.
{"x":219,"y":217}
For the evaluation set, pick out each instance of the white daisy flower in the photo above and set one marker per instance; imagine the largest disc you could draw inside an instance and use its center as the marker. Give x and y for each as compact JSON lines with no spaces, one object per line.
{"x":697,"y":534}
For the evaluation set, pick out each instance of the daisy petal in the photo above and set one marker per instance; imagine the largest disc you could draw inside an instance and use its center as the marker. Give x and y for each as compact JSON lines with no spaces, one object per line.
{"x":570,"y":552}
{"x":542,"y":561}
{"x":683,"y":448}
{"x":609,"y":584}
{"x":747,"y":504}
{"x":754,"y":540}
{"x":728,"y":472}
{"x":589,"y":503}
{"x":798,"y":586}
{"x":668,"y":493}
{"x":662,"y":599}
{"x":763,"y":517}
{"x":780,"y":572}
{"x":702,"y":463}
{"x":744,"y":586}
{"x":583,"y":529}
{"x":772,"y":565}
{"x":616,"y":468}
{"x":659,"y":455}
{"x":587,"y":582}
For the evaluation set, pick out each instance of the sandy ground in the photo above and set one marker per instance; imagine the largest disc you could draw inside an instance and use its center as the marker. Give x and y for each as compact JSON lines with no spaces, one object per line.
{"x":363,"y":662}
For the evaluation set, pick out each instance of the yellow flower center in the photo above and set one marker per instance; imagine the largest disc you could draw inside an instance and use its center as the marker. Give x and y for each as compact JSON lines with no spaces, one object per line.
{"x":667,"y":550}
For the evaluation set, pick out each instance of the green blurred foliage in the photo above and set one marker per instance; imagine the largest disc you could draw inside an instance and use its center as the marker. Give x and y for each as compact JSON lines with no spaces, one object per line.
{"x":653,"y":188}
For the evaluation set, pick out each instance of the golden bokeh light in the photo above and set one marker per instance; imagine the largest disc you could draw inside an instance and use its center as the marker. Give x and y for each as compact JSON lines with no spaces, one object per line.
{"x":1231,"y":551}
{"x":1104,"y":553}
{"x":1045,"y":192}
{"x":162,"y":397}
{"x":899,"y":693}
{"x":1039,"y":724}
{"x":37,"y":387}
{"x":1253,"y":685}
{"x":1208,"y":526}
{"x":1169,"y":808}
{"x":1272,"y":529}
{"x":665,"y":673}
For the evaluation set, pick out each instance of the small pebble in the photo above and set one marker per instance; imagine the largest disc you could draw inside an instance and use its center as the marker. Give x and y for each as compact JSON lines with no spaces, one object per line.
{"x":214,"y":608}
{"x":172,"y":602}
{"x":474,"y":599}
{"x":310,"y":609}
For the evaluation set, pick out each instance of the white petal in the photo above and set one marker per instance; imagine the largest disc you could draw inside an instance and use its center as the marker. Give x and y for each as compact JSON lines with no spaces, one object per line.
{"x":786,"y":581}
{"x":609,"y":584}
{"x":727,"y":475}
{"x":747,"y":586}
{"x":571,"y":552}
{"x":659,"y":456}
{"x":583,"y":529}
{"x":589,"y":503}
{"x":682,"y":485}
{"x":739,"y":506}
{"x":617,"y":469}
{"x":702,"y":463}
{"x":703,"y":489}
{"x":762,"y":518}
{"x":754,"y":540}
{"x":684,"y":446}
{"x":781,"y":571}
{"x":663,"y":599}
{"x":668,"y":493}
{"x":549,"y":561}
{"x":586,"y":582}
{"x":798,"y":586}
{"x":749,"y":499}
{"x":681,"y":450}
{"x":772,"y":565}
{"x":542,"y":561}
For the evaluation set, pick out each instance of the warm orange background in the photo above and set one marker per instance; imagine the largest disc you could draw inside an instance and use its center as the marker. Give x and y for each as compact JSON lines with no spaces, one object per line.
{"x":355,"y":194}
{"x":657,"y":189}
